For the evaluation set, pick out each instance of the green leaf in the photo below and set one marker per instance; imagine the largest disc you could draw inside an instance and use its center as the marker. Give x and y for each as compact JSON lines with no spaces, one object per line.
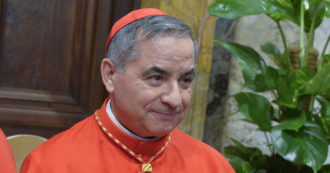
{"x":266,"y":81}
{"x":324,"y":119}
{"x":287,"y":90}
{"x":326,"y":4}
{"x":314,"y":1}
{"x":292,"y":122}
{"x":291,"y":86}
{"x":244,"y":150}
{"x":276,"y":115}
{"x":326,"y":94}
{"x":274,"y":54}
{"x":255,"y":108}
{"x":320,"y":83}
{"x":314,"y":11}
{"x":303,"y":75}
{"x":325,"y":110}
{"x":249,"y":154}
{"x":241,"y":165}
{"x":281,"y":10}
{"x":233,"y":151}
{"x":230,"y":9}
{"x":308,"y":146}
{"x":271,"y":49}
{"x":251,"y":64}
{"x":326,"y":60}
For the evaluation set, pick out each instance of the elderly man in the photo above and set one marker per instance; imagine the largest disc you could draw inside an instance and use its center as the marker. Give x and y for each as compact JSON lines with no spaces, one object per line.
{"x":148,"y":74}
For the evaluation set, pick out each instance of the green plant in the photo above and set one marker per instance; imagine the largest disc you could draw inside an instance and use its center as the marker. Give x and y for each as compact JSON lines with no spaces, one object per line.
{"x":297,"y":118}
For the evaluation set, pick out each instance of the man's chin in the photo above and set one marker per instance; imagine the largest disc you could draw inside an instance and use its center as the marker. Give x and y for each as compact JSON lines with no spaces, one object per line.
{"x":161,"y":131}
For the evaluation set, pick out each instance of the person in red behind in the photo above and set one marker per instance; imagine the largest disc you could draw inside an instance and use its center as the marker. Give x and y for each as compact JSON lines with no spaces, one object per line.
{"x":7,"y":161}
{"x":148,"y":73}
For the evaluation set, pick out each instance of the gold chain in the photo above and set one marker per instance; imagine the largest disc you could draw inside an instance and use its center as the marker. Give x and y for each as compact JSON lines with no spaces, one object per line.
{"x":145,"y":166}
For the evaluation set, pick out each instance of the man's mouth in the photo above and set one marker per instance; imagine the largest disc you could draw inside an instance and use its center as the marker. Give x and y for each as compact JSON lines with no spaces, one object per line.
{"x":166,"y":114}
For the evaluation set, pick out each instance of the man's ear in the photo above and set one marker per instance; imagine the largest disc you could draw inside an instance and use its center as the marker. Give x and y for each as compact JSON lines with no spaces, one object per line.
{"x":107,"y":71}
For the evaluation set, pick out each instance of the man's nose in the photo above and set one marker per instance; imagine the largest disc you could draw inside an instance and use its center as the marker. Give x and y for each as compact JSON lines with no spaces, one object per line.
{"x":172,"y":96}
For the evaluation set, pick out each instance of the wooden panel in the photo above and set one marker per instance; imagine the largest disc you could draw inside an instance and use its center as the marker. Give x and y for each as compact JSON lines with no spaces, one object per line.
{"x":50,"y":53}
{"x":36,"y":46}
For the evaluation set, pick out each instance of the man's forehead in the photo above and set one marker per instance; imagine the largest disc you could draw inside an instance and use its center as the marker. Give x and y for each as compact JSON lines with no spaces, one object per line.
{"x":160,"y":70}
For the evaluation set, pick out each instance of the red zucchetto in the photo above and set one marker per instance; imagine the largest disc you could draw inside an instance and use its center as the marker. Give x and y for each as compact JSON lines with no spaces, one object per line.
{"x":129,"y":18}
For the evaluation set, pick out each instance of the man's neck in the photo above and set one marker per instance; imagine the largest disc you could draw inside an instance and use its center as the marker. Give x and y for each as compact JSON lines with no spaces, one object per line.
{"x":115,"y":121}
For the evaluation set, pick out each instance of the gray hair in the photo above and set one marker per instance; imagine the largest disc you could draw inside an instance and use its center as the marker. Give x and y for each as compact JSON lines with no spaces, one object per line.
{"x":122,"y":48}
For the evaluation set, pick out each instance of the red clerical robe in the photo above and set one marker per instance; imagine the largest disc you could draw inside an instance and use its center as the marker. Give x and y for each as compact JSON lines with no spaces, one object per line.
{"x":7,"y":162}
{"x":85,"y":147}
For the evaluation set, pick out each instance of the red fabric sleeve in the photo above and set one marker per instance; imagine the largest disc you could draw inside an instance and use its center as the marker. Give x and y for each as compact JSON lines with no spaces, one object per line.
{"x":7,"y":161}
{"x":29,"y":166}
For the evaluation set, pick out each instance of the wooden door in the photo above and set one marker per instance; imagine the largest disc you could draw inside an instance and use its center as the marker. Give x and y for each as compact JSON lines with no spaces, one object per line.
{"x":50,"y":53}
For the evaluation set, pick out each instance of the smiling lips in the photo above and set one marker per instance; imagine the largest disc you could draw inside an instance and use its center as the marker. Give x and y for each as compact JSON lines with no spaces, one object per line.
{"x":168,"y":114}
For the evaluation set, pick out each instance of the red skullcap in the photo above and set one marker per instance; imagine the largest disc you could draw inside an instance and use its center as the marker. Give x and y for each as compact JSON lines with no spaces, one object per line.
{"x":129,"y":18}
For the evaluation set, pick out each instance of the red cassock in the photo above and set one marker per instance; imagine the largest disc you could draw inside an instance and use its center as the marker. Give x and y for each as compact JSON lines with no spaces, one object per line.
{"x":86,"y":147}
{"x":7,"y":162}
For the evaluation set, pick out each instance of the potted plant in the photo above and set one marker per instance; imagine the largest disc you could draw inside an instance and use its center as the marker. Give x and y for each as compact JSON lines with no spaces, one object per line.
{"x":297,"y":117}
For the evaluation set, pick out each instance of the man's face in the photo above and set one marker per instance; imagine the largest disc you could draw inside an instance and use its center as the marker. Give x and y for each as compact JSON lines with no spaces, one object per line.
{"x":152,"y":96}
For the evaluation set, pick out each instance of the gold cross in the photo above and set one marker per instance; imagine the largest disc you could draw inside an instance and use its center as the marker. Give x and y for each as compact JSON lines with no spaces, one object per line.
{"x":146,"y":167}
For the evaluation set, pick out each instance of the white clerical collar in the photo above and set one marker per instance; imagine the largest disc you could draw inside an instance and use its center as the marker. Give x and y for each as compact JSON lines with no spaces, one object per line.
{"x":114,"y":120}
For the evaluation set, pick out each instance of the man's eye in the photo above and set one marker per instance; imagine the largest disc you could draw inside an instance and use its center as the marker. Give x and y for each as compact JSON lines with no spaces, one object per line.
{"x":186,"y":82}
{"x":155,"y":80}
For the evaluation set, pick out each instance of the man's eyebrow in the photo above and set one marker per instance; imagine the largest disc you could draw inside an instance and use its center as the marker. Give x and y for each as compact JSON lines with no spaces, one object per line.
{"x":190,"y":72}
{"x":155,"y":69}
